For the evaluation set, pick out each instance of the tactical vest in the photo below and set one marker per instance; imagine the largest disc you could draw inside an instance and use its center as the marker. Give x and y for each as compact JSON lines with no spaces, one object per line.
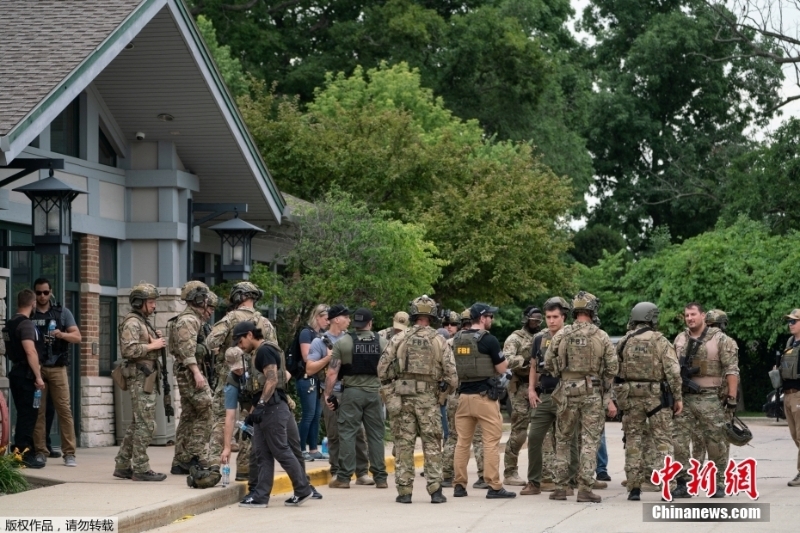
{"x":144,"y":338}
{"x":525,"y":346}
{"x":639,"y":360}
{"x":364,"y":358}
{"x":172,"y":339}
{"x":706,"y":359}
{"x":250,"y":382}
{"x":418,"y":356}
{"x":546,"y":380}
{"x":14,"y":349}
{"x":789,"y":360}
{"x":471,"y":363}
{"x":581,"y":350}
{"x":60,"y":347}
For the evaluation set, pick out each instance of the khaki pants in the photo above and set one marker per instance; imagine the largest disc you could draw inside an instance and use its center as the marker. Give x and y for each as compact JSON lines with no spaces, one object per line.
{"x":791,"y":405}
{"x":56,"y":385}
{"x":475,"y":409}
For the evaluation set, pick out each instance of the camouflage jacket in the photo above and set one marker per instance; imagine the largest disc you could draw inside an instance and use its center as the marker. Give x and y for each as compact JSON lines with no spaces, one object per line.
{"x":183,"y":334}
{"x":134,"y":336}
{"x":663,"y":357}
{"x":517,"y":350}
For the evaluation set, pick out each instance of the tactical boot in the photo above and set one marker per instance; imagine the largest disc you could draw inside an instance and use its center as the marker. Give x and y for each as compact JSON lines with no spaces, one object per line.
{"x":547,"y":486}
{"x":447,"y":482}
{"x":514,"y":480}
{"x":635,"y":495}
{"x":148,"y":476}
{"x":403,"y":498}
{"x":499,"y":493}
{"x":720,"y":493}
{"x":530,"y":489}
{"x":179,"y":469}
{"x":624,"y":482}
{"x":604,"y":476}
{"x":649,"y":487}
{"x":681,"y":491}
{"x":459,"y":491}
{"x":570,"y":491}
{"x":123,"y":473}
{"x":588,"y":496}
{"x":600,"y":485}
{"x":480,"y":484}
{"x":438,"y":497}
{"x":336,"y":483}
{"x":795,"y":482}
{"x":558,"y":494}
{"x":365,"y":480}
{"x":381,"y":484}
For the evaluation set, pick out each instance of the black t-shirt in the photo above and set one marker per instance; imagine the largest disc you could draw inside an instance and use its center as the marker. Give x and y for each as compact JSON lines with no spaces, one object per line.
{"x":488,"y":344}
{"x":265,"y":356}
{"x":26,"y":331}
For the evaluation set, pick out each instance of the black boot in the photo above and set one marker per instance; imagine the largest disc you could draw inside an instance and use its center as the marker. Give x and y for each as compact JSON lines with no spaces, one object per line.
{"x":681,"y":491}
{"x":438,"y":497}
{"x":635,"y":495}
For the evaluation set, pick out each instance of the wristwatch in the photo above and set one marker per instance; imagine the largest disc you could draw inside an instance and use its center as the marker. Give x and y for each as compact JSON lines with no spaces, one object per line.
{"x":261,"y":402}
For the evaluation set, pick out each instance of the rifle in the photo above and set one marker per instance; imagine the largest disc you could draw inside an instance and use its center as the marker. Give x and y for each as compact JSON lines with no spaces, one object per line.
{"x":687,"y":370}
{"x":207,"y":364}
{"x":168,"y":410}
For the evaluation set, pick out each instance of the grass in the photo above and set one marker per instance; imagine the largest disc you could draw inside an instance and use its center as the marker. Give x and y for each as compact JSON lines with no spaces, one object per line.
{"x":11,"y":478}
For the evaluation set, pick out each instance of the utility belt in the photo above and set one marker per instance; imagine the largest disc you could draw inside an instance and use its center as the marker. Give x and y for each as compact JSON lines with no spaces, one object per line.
{"x":638,"y":389}
{"x":581,"y":387}
{"x":149,"y":367}
{"x":702,"y":391}
{"x":412,"y":387}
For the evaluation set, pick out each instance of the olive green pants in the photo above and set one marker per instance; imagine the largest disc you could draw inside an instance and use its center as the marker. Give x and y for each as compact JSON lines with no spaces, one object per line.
{"x":543,"y":418}
{"x":361,"y":407}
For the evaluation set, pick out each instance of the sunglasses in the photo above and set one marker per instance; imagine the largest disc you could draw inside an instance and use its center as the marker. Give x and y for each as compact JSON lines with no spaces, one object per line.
{"x":793,"y":322}
{"x":42,"y":293}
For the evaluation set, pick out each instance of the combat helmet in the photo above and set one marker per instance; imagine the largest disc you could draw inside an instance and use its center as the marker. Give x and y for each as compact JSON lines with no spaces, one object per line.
{"x":717,"y":317}
{"x":452,"y":318}
{"x":532,"y":313}
{"x":423,"y":306}
{"x":195,"y":293}
{"x":584,"y":301}
{"x":245,"y":290}
{"x":466,"y":319}
{"x":558,"y":301}
{"x":644,"y":312}
{"x":202,"y":478}
{"x":737,"y":432}
{"x":142,"y":292}
{"x":213,"y":300}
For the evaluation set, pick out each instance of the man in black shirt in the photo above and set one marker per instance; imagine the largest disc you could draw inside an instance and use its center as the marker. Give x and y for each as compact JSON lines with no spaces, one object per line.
{"x":25,"y":377}
{"x":276,"y":435}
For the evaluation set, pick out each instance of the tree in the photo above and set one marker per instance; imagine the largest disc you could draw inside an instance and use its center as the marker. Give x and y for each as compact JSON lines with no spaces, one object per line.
{"x":591,"y":241}
{"x":229,"y":67}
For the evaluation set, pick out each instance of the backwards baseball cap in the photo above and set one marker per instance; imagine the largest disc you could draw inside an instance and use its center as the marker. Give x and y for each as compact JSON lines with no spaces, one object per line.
{"x":794,"y":315}
{"x":479,"y":309}
{"x":241,"y":329}
{"x":362,"y":317}
{"x":338,"y":310}
{"x":234,"y":358}
{"x":400,"y":320}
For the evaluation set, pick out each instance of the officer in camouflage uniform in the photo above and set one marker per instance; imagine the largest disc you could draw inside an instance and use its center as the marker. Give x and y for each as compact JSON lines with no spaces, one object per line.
{"x":517,"y":350}
{"x":186,"y":344}
{"x":140,"y":347}
{"x":583,"y":357}
{"x":711,"y":360}
{"x":399,"y":323}
{"x":452,"y":436}
{"x":243,"y":297}
{"x":790,"y":380}
{"x":647,"y":360}
{"x":420,"y":363}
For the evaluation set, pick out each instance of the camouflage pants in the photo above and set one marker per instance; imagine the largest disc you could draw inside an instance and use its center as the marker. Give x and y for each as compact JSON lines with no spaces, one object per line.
{"x":452,"y":438}
{"x":133,"y":451}
{"x":194,"y":425}
{"x":215,"y":443}
{"x":647,"y":440}
{"x":706,"y":413}
{"x":418,"y":415}
{"x":549,"y":455}
{"x":578,"y":413}
{"x":245,"y":447}
{"x":520,"y":417}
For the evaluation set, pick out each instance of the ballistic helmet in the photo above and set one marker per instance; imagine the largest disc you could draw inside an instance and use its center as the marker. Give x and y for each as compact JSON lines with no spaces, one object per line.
{"x":644,"y":312}
{"x":245,"y":290}
{"x":142,"y":292}
{"x":532,"y":313}
{"x":584,"y":301}
{"x":737,"y":432}
{"x":423,"y":306}
{"x":195,"y":293}
{"x":451,"y":318}
{"x":466,"y":320}
{"x":717,"y":317}
{"x":558,"y":301}
{"x":213,"y":300}
{"x":202,"y":478}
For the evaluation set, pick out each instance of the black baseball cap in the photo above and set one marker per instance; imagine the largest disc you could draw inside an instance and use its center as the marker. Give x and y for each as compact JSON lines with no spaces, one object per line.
{"x":479,"y":309}
{"x":241,"y":329}
{"x":338,"y":310}
{"x":362,"y":317}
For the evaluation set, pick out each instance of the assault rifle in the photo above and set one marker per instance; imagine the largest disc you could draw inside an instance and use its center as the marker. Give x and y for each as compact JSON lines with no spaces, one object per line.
{"x":207,"y":364}
{"x":168,"y":410}
{"x":687,"y":370}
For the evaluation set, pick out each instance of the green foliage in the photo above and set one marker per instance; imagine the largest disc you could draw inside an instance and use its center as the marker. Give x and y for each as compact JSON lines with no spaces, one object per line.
{"x":12,"y":480}
{"x":229,"y":67}
{"x":591,"y":241}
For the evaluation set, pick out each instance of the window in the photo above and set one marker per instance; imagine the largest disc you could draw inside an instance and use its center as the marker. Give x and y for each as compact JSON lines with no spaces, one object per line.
{"x":108,"y":333}
{"x":65,"y":131}
{"x":108,"y":262}
{"x":105,"y":152}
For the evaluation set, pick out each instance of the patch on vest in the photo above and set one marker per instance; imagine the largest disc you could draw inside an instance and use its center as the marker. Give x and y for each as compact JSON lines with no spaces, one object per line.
{"x":463,"y":350}
{"x":366,"y":349}
{"x":578,"y":341}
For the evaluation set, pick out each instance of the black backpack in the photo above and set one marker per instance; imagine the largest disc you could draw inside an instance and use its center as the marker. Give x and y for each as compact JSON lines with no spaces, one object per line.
{"x":294,"y":357}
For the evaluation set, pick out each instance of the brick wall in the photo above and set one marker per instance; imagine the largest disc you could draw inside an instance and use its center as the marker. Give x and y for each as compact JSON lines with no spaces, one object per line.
{"x":90,"y":304}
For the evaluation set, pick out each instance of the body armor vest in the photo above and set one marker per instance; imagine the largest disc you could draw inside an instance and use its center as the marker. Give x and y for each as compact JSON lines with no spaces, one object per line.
{"x":16,"y":353}
{"x":639,"y":359}
{"x":471,"y":363}
{"x":706,"y":359}
{"x":60,"y":347}
{"x":364,"y":358}
{"x":789,"y":360}
{"x":418,"y":356}
{"x":146,"y":332}
{"x":546,"y":380}
{"x":525,"y":346}
{"x":581,"y":350}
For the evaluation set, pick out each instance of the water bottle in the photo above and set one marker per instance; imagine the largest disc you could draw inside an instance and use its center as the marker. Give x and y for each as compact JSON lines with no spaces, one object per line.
{"x":37,"y":399}
{"x":325,"y":445}
{"x":226,"y":474}
{"x":244,"y":427}
{"x":51,"y":327}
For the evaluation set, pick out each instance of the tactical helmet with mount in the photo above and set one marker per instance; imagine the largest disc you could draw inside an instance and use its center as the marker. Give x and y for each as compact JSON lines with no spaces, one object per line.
{"x":203,"y":478}
{"x":245,"y":290}
{"x":532,"y":313}
{"x":585,"y":302}
{"x":195,"y":293}
{"x":559,"y":302}
{"x":737,"y":432}
{"x":717,"y":317}
{"x":644,"y":312}
{"x":141,"y":293}
{"x":423,"y":306}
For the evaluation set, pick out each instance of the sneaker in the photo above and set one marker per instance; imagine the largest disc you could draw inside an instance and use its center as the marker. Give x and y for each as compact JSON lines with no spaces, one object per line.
{"x":54,"y":454}
{"x":559,"y":494}
{"x":635,"y":495}
{"x":69,"y":460}
{"x":33,"y":461}
{"x":459,"y":491}
{"x":148,"y":476}
{"x":500,"y":493}
{"x":600,"y":485}
{"x":480,"y":484}
{"x":318,"y":455}
{"x":179,"y":469}
{"x":530,"y":489}
{"x":438,"y":497}
{"x":514,"y":480}
{"x":795,"y":482}
{"x":448,"y":482}
{"x":588,"y":496}
{"x":403,"y":498}
{"x":307,"y":457}
{"x":297,"y":501}
{"x":41,"y":458}
{"x":123,"y":473}
{"x":603,"y":476}
{"x":336,"y":483}
{"x":365,"y":480}
{"x":250,"y":503}
{"x":314,"y":494}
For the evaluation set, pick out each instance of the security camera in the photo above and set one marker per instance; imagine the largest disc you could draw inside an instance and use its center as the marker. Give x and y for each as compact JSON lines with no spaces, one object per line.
{"x":139,"y":136}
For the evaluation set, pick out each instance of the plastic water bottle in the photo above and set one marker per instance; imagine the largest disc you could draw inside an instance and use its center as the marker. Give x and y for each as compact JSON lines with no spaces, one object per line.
{"x":244,"y":427}
{"x":51,"y":327}
{"x":325,"y":445}
{"x":37,"y":399}
{"x":226,"y":474}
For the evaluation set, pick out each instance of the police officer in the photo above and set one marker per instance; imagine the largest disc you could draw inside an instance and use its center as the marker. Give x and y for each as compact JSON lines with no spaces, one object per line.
{"x":480,"y":363}
{"x":187,"y":346}
{"x":140,"y":345}
{"x":709,"y":361}
{"x":419,"y":363}
{"x":399,"y":323}
{"x":647,"y":363}
{"x":583,"y":356}
{"x":517,"y":349}
{"x":355,"y":358}
{"x":790,"y":375}
{"x":541,"y":436}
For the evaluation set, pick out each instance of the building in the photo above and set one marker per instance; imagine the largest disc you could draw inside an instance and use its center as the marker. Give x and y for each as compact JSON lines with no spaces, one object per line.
{"x":126,"y":93}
